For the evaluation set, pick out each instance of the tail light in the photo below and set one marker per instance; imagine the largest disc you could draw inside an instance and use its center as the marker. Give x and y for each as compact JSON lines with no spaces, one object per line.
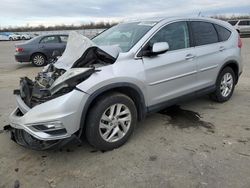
{"x":239,"y":42}
{"x":19,"y":49}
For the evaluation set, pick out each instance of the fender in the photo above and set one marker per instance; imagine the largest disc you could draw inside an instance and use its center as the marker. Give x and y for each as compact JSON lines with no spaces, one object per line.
{"x":234,"y":63}
{"x":141,"y":106}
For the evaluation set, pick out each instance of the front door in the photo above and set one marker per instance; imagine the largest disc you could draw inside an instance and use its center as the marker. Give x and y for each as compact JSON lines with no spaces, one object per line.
{"x":172,"y":74}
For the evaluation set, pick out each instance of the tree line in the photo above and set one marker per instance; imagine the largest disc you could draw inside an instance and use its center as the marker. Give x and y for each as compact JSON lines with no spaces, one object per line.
{"x":92,"y":25}
{"x":233,"y":17}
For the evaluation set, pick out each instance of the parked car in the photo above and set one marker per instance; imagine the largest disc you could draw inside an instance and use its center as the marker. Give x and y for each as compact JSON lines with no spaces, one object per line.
{"x":25,"y":36}
{"x":3,"y":37}
{"x":242,"y":26}
{"x":101,"y":88}
{"x":14,"y":36}
{"x":39,"y":49}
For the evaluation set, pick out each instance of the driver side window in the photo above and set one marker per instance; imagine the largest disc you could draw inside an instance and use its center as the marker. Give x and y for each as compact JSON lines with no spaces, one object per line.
{"x":175,"y":34}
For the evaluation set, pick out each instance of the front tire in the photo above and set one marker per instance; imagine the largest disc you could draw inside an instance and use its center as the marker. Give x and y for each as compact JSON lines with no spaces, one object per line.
{"x":38,"y":60}
{"x":111,"y":121}
{"x":224,"y":85}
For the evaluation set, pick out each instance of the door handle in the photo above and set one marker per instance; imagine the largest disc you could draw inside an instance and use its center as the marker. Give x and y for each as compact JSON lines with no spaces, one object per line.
{"x":222,"y":48}
{"x":189,"y":56}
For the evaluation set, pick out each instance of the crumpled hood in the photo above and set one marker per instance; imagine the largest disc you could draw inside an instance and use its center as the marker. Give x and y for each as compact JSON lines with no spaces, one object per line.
{"x":76,"y":46}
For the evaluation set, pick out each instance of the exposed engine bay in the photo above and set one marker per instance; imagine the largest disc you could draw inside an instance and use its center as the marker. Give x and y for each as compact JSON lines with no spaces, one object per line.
{"x":79,"y":61}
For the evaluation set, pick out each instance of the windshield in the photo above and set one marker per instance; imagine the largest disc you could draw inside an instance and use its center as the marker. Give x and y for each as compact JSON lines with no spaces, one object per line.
{"x":124,"y":35}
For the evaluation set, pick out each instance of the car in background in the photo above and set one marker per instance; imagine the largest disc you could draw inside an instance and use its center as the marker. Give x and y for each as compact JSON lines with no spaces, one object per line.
{"x":242,"y":26}
{"x":14,"y":36}
{"x":25,"y":36}
{"x":40,"y":49}
{"x":3,"y":37}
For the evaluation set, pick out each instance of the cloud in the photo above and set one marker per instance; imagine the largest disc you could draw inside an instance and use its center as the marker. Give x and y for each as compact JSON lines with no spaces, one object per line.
{"x":47,"y":12}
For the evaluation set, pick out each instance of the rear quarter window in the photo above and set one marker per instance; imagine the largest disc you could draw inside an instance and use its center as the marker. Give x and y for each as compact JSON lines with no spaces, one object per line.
{"x":204,"y":33}
{"x":223,"y":33}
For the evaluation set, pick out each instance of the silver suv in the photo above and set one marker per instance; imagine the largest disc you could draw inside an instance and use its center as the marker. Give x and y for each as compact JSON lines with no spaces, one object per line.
{"x":100,"y":88}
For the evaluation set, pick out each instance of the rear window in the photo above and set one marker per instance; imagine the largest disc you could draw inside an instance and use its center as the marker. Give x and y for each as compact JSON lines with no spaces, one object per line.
{"x":233,"y":22}
{"x":204,"y":33}
{"x":223,"y":33}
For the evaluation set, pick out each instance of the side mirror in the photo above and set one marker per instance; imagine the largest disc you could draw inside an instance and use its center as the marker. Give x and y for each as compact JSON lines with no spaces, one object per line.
{"x":160,"y":48}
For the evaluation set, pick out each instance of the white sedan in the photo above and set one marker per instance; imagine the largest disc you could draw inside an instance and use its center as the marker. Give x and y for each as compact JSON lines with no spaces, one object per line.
{"x":25,"y":37}
{"x":14,"y":36}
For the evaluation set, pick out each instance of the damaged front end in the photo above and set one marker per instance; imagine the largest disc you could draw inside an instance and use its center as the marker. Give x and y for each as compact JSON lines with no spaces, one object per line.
{"x":49,"y":107}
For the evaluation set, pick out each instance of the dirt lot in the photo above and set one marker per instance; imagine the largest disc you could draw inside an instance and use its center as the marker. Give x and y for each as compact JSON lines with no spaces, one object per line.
{"x":175,"y":149}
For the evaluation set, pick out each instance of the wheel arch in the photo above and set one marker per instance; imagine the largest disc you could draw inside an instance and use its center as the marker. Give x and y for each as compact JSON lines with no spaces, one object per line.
{"x":235,"y":67}
{"x":128,"y":89}
{"x":34,"y":53}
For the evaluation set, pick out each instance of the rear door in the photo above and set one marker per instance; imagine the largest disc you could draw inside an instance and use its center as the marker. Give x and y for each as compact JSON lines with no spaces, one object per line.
{"x":209,"y":52}
{"x":173,"y":73}
{"x":48,"y":44}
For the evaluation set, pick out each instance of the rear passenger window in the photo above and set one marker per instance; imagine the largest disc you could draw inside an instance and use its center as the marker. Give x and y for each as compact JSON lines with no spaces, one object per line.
{"x":223,"y":33}
{"x":204,"y":33}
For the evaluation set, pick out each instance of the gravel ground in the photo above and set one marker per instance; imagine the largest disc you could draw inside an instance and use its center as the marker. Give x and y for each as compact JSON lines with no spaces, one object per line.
{"x":168,"y":149}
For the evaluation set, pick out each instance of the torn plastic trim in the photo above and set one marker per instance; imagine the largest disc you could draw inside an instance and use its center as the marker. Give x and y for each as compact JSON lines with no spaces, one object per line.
{"x":22,"y":106}
{"x":23,"y":138}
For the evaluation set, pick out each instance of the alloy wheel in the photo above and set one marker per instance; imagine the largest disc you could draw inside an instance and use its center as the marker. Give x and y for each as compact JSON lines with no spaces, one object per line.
{"x":226,"y":85}
{"x":39,"y":60}
{"x":115,"y":122}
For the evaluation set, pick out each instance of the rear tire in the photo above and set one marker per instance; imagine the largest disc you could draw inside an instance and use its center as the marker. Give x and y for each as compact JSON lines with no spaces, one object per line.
{"x":224,"y":85}
{"x":38,"y":60}
{"x":111,"y":121}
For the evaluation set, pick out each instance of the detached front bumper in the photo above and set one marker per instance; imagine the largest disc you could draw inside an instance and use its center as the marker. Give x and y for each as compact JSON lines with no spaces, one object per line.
{"x":56,"y":119}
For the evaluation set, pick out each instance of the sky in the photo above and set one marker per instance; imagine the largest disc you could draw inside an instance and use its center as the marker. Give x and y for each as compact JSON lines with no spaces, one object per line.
{"x":54,"y":12}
